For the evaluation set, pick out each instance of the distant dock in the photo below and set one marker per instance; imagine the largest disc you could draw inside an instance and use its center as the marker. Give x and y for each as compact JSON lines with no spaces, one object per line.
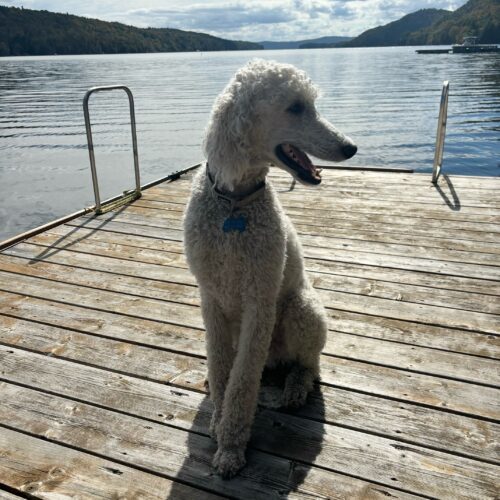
{"x":469,"y":46}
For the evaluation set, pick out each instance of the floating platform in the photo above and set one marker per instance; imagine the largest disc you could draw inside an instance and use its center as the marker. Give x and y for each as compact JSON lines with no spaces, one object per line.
{"x":433,"y":51}
{"x":102,"y":354}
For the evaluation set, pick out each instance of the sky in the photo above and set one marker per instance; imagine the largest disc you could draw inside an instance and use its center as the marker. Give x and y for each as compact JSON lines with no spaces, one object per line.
{"x":252,"y":20}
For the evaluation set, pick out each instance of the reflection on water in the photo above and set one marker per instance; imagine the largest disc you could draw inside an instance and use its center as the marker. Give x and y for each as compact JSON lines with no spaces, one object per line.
{"x":385,"y":98}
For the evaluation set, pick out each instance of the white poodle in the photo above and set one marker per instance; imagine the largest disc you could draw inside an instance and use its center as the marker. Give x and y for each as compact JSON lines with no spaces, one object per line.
{"x":258,"y":306}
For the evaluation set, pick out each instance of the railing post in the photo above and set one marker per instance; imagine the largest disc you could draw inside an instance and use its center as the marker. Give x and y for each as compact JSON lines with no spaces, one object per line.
{"x":128,"y":195}
{"x":441,"y":132}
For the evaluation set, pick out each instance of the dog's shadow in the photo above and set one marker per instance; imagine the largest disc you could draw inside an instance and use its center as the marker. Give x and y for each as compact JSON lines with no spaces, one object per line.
{"x":280,"y":454}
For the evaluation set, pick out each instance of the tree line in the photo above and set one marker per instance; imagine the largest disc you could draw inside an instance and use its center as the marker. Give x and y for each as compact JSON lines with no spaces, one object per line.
{"x":35,"y":32}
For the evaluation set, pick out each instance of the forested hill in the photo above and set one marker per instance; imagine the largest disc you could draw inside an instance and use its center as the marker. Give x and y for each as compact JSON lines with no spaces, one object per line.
{"x":39,"y":32}
{"x":397,"y":32}
{"x":479,"y":18}
{"x":301,"y":44}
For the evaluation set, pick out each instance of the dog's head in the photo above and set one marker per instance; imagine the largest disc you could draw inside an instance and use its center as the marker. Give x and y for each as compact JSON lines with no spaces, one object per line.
{"x":266,"y":115}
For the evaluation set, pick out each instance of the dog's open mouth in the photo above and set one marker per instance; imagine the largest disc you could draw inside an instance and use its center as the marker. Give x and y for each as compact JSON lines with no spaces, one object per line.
{"x":299,"y":163}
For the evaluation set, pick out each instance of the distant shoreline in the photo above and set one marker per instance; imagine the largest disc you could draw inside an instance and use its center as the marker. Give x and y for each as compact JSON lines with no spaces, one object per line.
{"x":261,"y":51}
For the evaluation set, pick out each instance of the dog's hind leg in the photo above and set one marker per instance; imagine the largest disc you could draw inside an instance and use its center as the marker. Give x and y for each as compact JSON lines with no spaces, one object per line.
{"x":220,"y":355}
{"x":304,"y":323}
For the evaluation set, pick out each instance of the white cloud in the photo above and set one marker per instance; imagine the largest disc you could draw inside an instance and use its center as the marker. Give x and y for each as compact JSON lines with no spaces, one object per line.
{"x":246,"y":19}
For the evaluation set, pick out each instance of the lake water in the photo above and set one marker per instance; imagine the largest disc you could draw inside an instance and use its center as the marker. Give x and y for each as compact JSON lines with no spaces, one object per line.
{"x":386,"y":99}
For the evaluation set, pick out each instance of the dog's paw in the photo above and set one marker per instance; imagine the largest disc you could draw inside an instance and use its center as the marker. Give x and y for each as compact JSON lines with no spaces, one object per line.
{"x":228,"y":462}
{"x":294,"y":396}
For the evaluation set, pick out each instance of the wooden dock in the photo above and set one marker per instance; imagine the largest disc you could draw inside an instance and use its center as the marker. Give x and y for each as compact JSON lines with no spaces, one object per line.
{"x":102,"y":356}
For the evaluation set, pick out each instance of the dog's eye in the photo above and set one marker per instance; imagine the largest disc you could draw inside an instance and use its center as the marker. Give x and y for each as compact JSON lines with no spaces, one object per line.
{"x":296,"y":108}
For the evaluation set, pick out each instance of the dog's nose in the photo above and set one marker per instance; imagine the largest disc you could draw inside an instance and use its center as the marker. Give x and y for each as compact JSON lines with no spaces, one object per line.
{"x":349,"y":150}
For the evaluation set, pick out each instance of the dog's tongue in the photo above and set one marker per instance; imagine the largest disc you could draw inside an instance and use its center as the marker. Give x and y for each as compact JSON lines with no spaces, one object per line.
{"x":301,"y":158}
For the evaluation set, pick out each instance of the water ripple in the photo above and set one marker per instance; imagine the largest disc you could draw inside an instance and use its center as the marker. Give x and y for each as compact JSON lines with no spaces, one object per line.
{"x":387,"y":99}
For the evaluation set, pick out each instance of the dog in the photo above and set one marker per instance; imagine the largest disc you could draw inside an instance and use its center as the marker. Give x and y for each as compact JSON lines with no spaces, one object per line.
{"x":258,"y":306}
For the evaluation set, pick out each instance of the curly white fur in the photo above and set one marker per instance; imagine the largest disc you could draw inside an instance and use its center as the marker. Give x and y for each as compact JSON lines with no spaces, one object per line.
{"x":257,"y":303}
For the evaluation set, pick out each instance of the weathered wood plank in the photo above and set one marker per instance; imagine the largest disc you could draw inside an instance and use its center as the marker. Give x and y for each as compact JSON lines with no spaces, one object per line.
{"x":350,"y":374}
{"x":112,"y":226}
{"x":154,"y":364}
{"x":305,"y":225}
{"x":101,"y":323}
{"x":335,"y":227}
{"x":415,"y":358}
{"x":66,"y":273}
{"x":174,"y":313}
{"x":177,"y":453}
{"x":402,"y":248}
{"x":175,"y":337}
{"x":388,"y":382}
{"x":368,"y":191}
{"x":150,"y":200}
{"x":429,"y":194}
{"x":406,"y":293}
{"x":70,"y":235}
{"x":186,"y":315}
{"x":472,"y":369}
{"x":415,"y":333}
{"x":382,"y":181}
{"x":321,"y":218}
{"x":351,"y":269}
{"x":367,"y":234}
{"x":160,"y":448}
{"x":179,"y":196}
{"x":428,"y":279}
{"x":349,"y":228}
{"x":359,"y":256}
{"x":423,"y":181}
{"x":5,"y":495}
{"x":133,"y":268}
{"x":451,"y":249}
{"x":60,"y":267}
{"x":396,"y":275}
{"x":47,"y":470}
{"x":297,"y":209}
{"x":420,"y":313}
{"x":63,"y":266}
{"x":67,"y":235}
{"x":418,"y":425}
{"x":115,"y":250}
{"x":439,"y":267}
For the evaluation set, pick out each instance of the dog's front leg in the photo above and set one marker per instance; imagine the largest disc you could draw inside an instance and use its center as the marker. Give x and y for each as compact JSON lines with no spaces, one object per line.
{"x":240,"y":399}
{"x":220,"y":355}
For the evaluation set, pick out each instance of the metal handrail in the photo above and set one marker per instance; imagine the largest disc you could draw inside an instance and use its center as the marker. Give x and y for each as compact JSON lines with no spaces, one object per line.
{"x":127,"y":195}
{"x":87,"y":210}
{"x":441,"y":132}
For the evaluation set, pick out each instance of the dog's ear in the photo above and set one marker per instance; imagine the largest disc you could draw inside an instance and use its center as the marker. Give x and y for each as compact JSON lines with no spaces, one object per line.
{"x":229,"y":134}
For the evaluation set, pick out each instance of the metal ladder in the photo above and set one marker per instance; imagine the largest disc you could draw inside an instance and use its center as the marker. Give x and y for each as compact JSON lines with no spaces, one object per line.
{"x":441,"y":132}
{"x":128,"y":195}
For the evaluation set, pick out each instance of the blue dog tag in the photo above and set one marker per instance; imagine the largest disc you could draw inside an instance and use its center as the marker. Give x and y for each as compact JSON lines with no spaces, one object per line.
{"x":235,"y":224}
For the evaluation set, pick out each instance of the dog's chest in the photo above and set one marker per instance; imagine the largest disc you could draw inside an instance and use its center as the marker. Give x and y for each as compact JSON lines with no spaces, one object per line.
{"x":225,"y":261}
